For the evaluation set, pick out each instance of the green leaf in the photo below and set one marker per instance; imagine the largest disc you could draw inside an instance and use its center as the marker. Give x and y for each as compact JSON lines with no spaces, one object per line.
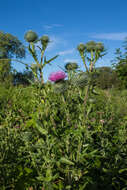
{"x":28,"y":170}
{"x":122,"y":170}
{"x":68,"y":187}
{"x":48,"y":175}
{"x":66,"y":161}
{"x":52,"y":59}
{"x":105,"y":170}
{"x":30,"y":123}
{"x":82,"y":187}
{"x":41,"y":130}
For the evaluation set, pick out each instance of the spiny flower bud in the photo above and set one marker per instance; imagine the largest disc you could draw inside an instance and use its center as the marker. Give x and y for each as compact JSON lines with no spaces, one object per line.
{"x":99,"y":46}
{"x":81,"y":47}
{"x":91,"y":45}
{"x":30,"y":36}
{"x":44,"y":40}
{"x":71,"y":66}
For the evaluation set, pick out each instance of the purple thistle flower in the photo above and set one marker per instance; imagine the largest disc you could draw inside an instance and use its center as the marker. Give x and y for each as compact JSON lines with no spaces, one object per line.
{"x":56,"y":76}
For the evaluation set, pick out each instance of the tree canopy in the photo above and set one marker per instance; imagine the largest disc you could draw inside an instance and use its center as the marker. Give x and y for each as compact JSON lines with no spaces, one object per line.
{"x":120,"y":64}
{"x":10,"y":47}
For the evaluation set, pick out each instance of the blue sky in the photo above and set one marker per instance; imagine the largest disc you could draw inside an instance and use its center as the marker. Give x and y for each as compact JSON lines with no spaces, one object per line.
{"x":67,"y":23}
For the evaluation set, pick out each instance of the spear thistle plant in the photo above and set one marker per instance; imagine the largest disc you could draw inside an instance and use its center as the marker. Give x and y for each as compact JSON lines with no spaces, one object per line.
{"x":91,"y":52}
{"x":37,"y":67}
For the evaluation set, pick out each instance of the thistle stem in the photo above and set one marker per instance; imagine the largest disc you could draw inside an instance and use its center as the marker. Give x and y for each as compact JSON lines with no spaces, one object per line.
{"x":86,"y":95}
{"x":83,"y":59}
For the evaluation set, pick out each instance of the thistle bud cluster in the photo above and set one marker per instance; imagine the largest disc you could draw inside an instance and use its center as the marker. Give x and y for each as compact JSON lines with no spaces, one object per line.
{"x":31,"y":36}
{"x":91,"y":46}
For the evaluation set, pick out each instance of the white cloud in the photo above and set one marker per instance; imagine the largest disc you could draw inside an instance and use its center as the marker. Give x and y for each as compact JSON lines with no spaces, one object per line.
{"x":110,"y":36}
{"x":51,"y":26}
{"x":71,"y":60}
{"x":70,"y":51}
{"x":55,"y":42}
{"x":47,"y":27}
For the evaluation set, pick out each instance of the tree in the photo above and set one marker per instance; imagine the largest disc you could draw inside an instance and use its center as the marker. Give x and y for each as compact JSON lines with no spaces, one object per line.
{"x":23,"y":78}
{"x":90,"y":52}
{"x":106,"y":78}
{"x":10,"y":47}
{"x":120,"y":64}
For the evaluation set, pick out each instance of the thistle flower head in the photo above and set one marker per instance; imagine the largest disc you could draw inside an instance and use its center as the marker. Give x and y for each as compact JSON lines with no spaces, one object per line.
{"x":81,"y":47}
{"x":31,"y":36}
{"x":57,"y":76}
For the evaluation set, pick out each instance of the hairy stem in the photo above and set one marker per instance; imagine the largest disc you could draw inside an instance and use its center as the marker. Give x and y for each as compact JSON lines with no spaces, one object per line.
{"x":83,"y":59}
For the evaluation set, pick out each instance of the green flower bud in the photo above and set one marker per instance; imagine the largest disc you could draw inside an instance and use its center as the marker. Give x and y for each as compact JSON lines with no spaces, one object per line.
{"x":71,"y":66}
{"x":44,"y":40}
{"x":81,"y":47}
{"x":30,"y":36}
{"x":99,"y":46}
{"x":90,"y":46}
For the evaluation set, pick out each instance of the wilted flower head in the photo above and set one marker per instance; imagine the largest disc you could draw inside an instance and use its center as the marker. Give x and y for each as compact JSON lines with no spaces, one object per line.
{"x":56,"y":76}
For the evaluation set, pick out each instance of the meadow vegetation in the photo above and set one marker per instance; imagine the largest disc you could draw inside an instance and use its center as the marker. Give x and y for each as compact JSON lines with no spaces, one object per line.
{"x":65,"y":133}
